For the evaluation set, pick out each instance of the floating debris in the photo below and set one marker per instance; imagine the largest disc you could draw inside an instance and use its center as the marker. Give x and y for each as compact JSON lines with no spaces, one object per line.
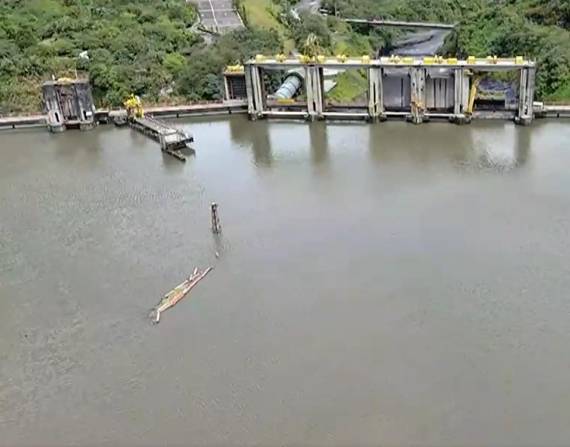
{"x":179,"y":292}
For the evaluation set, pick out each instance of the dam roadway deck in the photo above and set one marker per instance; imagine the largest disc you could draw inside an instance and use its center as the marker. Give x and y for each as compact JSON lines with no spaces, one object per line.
{"x":103,"y":115}
{"x":225,"y":108}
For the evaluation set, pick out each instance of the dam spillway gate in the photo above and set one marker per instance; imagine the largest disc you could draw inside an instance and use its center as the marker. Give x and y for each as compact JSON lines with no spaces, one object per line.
{"x":412,"y":88}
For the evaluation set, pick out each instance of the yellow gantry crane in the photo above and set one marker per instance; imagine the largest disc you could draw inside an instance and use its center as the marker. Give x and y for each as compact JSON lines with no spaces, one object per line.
{"x":134,"y":108}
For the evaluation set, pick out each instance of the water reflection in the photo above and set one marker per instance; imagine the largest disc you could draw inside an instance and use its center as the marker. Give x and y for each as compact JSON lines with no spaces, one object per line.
{"x":497,"y":147}
{"x":85,"y":149}
{"x":219,"y":245}
{"x":396,"y":142}
{"x":319,"y":142}
{"x":261,"y":144}
{"x":271,"y":139}
{"x":523,"y":142}
{"x":172,"y":164}
{"x":240,"y":129}
{"x":500,"y":147}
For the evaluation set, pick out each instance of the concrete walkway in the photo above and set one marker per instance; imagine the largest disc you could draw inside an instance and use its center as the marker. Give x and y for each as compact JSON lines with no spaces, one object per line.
{"x":218,"y":16}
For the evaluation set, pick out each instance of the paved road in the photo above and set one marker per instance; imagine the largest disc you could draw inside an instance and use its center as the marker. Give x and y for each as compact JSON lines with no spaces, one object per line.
{"x":421,"y":43}
{"x":218,"y":15}
{"x":311,"y":6}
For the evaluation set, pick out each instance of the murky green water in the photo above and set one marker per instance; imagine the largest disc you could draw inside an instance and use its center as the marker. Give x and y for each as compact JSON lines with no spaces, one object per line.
{"x":377,"y":285}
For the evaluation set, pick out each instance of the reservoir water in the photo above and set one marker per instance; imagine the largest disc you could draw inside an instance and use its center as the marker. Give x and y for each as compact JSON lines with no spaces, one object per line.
{"x":380,"y":284}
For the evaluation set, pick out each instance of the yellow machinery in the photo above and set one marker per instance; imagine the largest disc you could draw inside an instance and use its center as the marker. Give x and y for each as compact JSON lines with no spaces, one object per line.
{"x":65,"y":80}
{"x":237,"y":68}
{"x":134,"y":107}
{"x":473,"y":93}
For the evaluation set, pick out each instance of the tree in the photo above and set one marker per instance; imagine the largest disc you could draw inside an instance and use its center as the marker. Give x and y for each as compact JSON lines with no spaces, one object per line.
{"x":311,"y":24}
{"x":312,"y":47}
{"x":174,"y":63}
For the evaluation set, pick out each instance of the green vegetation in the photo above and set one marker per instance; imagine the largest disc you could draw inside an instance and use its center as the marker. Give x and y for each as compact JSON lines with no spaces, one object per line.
{"x":266,"y":15}
{"x":146,"y":47}
{"x":524,"y":28}
{"x":200,"y":78}
{"x":537,"y":29}
{"x":132,"y":46}
{"x":428,"y":10}
{"x":152,"y":47}
{"x":351,"y":85}
{"x":262,"y":14}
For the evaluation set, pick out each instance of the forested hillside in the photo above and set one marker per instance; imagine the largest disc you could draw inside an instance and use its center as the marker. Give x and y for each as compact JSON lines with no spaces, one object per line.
{"x":153,"y":48}
{"x":149,"y":47}
{"x":538,"y":29}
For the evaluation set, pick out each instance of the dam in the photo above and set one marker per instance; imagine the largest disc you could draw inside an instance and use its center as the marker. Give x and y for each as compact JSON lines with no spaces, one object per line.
{"x":417,"y":89}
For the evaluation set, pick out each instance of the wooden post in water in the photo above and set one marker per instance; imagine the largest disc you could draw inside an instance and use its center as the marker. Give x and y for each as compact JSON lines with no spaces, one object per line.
{"x":216,"y":226}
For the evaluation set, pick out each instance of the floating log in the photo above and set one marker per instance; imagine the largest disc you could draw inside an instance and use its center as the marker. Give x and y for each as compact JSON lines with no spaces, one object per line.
{"x":180,"y":291}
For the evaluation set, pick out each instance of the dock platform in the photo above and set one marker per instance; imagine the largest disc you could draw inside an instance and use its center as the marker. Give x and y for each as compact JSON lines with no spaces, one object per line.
{"x":171,"y":139}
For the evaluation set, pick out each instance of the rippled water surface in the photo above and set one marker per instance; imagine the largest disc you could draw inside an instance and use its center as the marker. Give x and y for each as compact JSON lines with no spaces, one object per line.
{"x":376,"y":285}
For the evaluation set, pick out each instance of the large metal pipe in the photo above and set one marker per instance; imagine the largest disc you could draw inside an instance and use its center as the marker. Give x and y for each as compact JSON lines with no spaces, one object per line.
{"x":293,"y":82}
